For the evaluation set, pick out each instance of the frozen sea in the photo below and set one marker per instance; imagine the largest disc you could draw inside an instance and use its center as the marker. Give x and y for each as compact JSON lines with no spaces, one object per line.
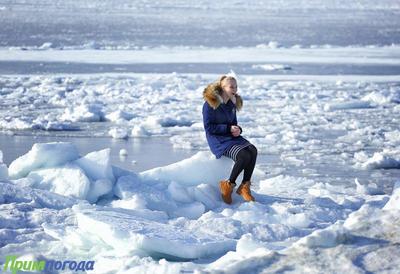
{"x":103,"y":154}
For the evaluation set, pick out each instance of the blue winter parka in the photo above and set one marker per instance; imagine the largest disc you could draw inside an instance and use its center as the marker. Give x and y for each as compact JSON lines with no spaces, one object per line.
{"x":218,"y":117}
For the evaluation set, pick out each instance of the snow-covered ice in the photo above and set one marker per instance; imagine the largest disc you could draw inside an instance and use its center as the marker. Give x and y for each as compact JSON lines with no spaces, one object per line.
{"x":321,"y":104}
{"x":43,"y":156}
{"x":394,"y":202}
{"x":270,"y":67}
{"x":3,"y":168}
{"x":179,"y":216}
{"x":118,"y":133}
{"x":328,"y":150}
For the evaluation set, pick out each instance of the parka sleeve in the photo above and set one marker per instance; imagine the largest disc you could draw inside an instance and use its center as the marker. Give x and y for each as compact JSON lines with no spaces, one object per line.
{"x":236,"y":123}
{"x":213,"y":128}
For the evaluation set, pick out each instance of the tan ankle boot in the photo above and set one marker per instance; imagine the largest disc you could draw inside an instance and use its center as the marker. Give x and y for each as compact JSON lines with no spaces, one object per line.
{"x":244,"y":191}
{"x":226,"y":191}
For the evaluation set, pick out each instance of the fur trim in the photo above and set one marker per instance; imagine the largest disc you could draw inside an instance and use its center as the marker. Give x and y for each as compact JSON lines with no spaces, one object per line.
{"x":212,"y":95}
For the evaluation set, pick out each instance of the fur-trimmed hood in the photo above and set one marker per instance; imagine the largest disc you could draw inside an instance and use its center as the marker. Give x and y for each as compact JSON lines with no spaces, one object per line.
{"x":212,"y":95}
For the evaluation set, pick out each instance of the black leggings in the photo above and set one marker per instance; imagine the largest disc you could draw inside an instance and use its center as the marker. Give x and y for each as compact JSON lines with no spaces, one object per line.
{"x":245,"y":160}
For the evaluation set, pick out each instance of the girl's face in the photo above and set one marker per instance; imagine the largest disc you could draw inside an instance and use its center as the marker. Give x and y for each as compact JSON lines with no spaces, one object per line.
{"x":229,"y":87}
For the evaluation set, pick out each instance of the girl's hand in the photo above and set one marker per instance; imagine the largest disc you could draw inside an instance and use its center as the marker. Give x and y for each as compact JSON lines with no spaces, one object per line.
{"x":235,"y":130}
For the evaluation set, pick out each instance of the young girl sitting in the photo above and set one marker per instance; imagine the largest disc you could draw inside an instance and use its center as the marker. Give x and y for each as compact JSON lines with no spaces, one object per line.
{"x":224,"y":135}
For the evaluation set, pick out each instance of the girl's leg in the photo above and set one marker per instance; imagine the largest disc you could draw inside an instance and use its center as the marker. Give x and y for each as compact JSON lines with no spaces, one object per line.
{"x":249,"y":167}
{"x":243,"y":159}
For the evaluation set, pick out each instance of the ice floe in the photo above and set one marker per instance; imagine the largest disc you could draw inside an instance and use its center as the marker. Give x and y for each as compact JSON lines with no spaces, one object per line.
{"x":176,"y":213}
{"x":43,"y":156}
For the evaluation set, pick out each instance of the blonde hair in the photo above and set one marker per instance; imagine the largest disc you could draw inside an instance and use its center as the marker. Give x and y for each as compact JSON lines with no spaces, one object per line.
{"x":225,"y":78}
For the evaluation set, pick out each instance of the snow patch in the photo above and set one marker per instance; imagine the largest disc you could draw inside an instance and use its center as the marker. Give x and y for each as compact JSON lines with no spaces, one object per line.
{"x":43,"y":156}
{"x":377,"y":161}
{"x":272,"y":67}
{"x":68,"y":180}
{"x":125,"y":233}
{"x":83,"y":113}
{"x":202,"y":167}
{"x":118,"y":133}
{"x":394,"y":201}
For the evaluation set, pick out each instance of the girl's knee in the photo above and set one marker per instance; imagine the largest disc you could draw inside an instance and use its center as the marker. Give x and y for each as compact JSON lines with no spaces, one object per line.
{"x":244,"y":156}
{"x":253,"y":151}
